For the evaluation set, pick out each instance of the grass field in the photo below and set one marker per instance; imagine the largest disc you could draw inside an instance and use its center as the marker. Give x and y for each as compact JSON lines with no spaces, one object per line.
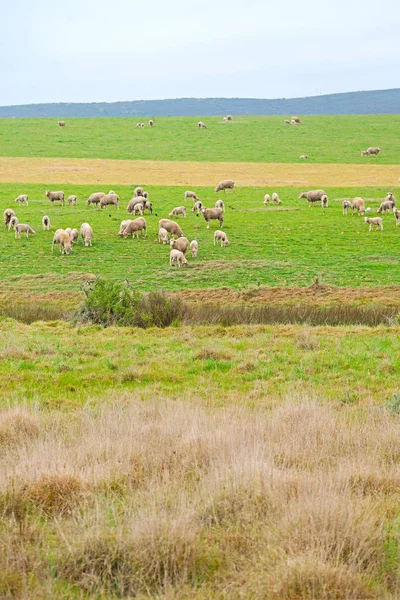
{"x":325,"y":139}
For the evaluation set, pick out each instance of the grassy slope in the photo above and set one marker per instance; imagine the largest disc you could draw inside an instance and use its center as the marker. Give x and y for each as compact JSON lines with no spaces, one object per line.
{"x":273,"y":246}
{"x":326,"y":139}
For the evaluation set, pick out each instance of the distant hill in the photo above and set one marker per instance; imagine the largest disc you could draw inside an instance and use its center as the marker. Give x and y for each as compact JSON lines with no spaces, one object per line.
{"x":350,"y":103}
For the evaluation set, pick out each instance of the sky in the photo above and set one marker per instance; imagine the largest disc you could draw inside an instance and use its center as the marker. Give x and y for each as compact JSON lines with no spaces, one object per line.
{"x":106,"y":51}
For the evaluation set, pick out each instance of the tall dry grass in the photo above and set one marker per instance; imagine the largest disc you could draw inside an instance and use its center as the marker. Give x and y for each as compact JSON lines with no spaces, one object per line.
{"x":177,"y":501}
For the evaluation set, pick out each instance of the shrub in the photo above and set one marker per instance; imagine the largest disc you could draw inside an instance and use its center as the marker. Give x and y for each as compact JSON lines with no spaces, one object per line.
{"x":393,"y":404}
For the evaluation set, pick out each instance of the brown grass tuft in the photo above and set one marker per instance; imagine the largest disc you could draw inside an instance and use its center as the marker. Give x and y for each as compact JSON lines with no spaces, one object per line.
{"x":17,"y":426}
{"x":54,"y":494}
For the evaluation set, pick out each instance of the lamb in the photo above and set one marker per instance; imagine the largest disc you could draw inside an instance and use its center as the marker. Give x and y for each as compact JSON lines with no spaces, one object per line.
{"x":46,"y":223}
{"x":62,"y":237}
{"x":177,"y":257}
{"x":151,"y":123}
{"x":178,"y":210}
{"x":358,"y":205}
{"x":220,"y":204}
{"x":276,"y":199}
{"x":148,"y":206}
{"x":324,"y":201}
{"x":172,"y":227}
{"x":22,"y":199}
{"x":95,"y":198}
{"x":61,"y":123}
{"x":163,"y":235}
{"x":110,"y":200}
{"x":373,"y":151}
{"x":296,"y":120}
{"x":220,"y":236}
{"x":12,"y":223}
{"x":138,"y":209}
{"x":226,"y":184}
{"x":181,"y":244}
{"x":189,"y":194}
{"x":396,"y":213}
{"x":86,"y":234}
{"x":137,"y":125}
{"x":134,"y":227}
{"x":312,"y":196}
{"x":267,"y":199}
{"x":72,"y":200}
{"x":123,"y":226}
{"x":303,"y":157}
{"x":197,"y":206}
{"x":213,"y":213}
{"x":375,"y":222}
{"x":229,"y":117}
{"x":201,"y":125}
{"x":346,"y":204}
{"x":7,"y":214}
{"x":194,"y":248}
{"x":391,"y":198}
{"x":364,"y":153}
{"x":23,"y":228}
{"x":55,"y":196}
{"x":132,"y":203}
{"x":74,"y":235}
{"x":386,"y":206}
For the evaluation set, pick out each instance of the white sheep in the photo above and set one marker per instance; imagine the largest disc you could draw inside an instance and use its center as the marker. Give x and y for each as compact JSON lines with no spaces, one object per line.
{"x":87,"y":234}
{"x":396,"y":213}
{"x":324,"y":201}
{"x":72,"y":200}
{"x":267,"y":199}
{"x":276,"y":199}
{"x":74,"y":235}
{"x":22,"y":199}
{"x":194,"y":247}
{"x":197,"y":206}
{"x":178,"y":210}
{"x":23,"y":228}
{"x":220,"y":236}
{"x":163,"y":235}
{"x":303,"y":157}
{"x":123,"y":226}
{"x":201,"y":125}
{"x":138,"y":209}
{"x":63,"y":238}
{"x":46,"y":223}
{"x":220,"y":204}
{"x":346,"y":204}
{"x":192,"y":195}
{"x":177,"y":257}
{"x":13,"y":222}
{"x":375,"y":222}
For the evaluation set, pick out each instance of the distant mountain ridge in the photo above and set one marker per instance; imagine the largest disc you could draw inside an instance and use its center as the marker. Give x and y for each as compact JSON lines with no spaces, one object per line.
{"x":349,"y":103}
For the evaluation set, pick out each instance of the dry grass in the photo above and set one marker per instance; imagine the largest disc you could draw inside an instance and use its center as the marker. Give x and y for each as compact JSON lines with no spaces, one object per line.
{"x":124,"y":172}
{"x":173,"y":500}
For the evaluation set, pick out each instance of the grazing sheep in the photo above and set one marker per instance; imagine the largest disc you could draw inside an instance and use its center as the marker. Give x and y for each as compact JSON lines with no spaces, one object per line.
{"x":177,"y":257}
{"x":396,"y":213}
{"x":137,"y":125}
{"x":163,"y":235}
{"x":373,"y":151}
{"x":61,"y":123}
{"x":303,"y":157}
{"x":312,"y":196}
{"x":296,"y":120}
{"x":224,"y":120}
{"x":346,"y":204}
{"x":72,"y":200}
{"x":63,"y":238}
{"x":172,"y":227}
{"x":12,"y":223}
{"x":86,"y":234}
{"x":194,"y":248}
{"x":122,"y":227}
{"x":364,"y":153}
{"x":151,"y":123}
{"x":7,"y":214}
{"x":293,"y":122}
{"x":220,"y":236}
{"x":178,"y":210}
{"x":46,"y":223}
{"x":138,"y":192}
{"x":220,"y":204}
{"x":134,"y":227}
{"x":226,"y":184}
{"x":267,"y":199}
{"x":180,"y":243}
{"x":132,"y":203}
{"x":391,"y":198}
{"x":22,"y":199}
{"x":386,"y":206}
{"x":142,"y":125}
{"x":68,"y":230}
{"x":229,"y":117}
{"x":375,"y":222}
{"x":138,"y":209}
{"x":358,"y":205}
{"x":197,"y":206}
{"x":110,"y":200}
{"x":287,"y":122}
{"x":201,"y":125}
{"x":55,"y":196}
{"x":213,"y":213}
{"x":276,"y":199}
{"x":189,"y":194}
{"x":324,"y":201}
{"x":74,"y":235}
{"x":95,"y":198}
{"x":23,"y":228}
{"x":148,"y":206}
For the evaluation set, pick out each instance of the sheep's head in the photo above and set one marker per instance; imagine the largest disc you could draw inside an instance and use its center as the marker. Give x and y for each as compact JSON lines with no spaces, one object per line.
{"x":47,"y":193}
{"x":302,"y":195}
{"x":67,"y":247}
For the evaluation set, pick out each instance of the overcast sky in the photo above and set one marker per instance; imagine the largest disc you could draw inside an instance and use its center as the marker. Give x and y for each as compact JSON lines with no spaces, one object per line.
{"x":98,"y":50}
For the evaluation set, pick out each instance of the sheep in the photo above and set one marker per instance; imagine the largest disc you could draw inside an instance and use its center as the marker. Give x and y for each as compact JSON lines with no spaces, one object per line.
{"x":178,"y":210}
{"x":391,"y":198}
{"x":293,"y":122}
{"x":151,"y":123}
{"x":194,"y":248}
{"x":23,"y":228}
{"x":61,"y":123}
{"x":7,"y":214}
{"x":181,"y":244}
{"x":396,"y":213}
{"x":373,"y":151}
{"x":86,"y":234}
{"x":374,"y":222}
{"x":312,"y":196}
{"x":46,"y":223}
{"x":172,"y":227}
{"x":122,"y":227}
{"x":55,"y":196}
{"x":296,"y":120}
{"x":142,"y":125}
{"x":163,"y":235}
{"x":138,"y":209}
{"x":324,"y":201}
{"x":201,"y":125}
{"x":213,"y":213}
{"x":189,"y":194}
{"x":22,"y":199}
{"x":134,"y":227}
{"x":220,"y":204}
{"x":197,"y":206}
{"x":358,"y":205}
{"x":276,"y":199}
{"x":62,"y":237}
{"x":364,"y":153}
{"x":145,"y":195}
{"x":226,"y":184}
{"x":137,"y":125}
{"x":148,"y":206}
{"x":177,"y":257}
{"x":72,"y":200}
{"x":95,"y":198}
{"x":220,"y":236}
{"x":267,"y":199}
{"x":224,"y":120}
{"x":303,"y":157}
{"x":139,"y":191}
{"x":68,"y":230}
{"x":110,"y":200}
{"x":287,"y":122}
{"x":12,"y":223}
{"x":74,"y":235}
{"x":229,"y":117}
{"x":386,"y":206}
{"x":346,"y":204}
{"x":132,"y":203}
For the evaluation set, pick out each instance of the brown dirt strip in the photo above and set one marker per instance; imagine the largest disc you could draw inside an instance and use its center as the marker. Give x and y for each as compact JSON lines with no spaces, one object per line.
{"x":125,"y":172}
